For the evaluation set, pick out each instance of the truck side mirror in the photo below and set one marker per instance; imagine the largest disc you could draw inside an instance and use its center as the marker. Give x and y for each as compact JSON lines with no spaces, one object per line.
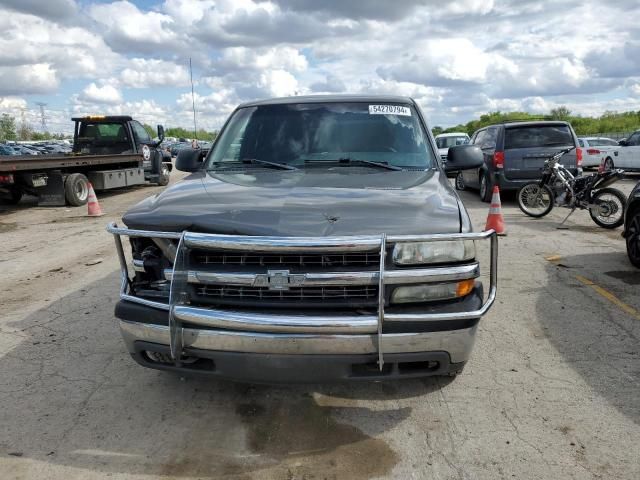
{"x":464,"y":157}
{"x":190,"y":159}
{"x":160,"y":133}
{"x":623,"y":143}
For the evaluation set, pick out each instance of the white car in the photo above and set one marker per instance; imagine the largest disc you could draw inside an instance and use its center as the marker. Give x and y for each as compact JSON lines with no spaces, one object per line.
{"x":628,"y":157}
{"x":596,"y":150}
{"x":446,"y":140}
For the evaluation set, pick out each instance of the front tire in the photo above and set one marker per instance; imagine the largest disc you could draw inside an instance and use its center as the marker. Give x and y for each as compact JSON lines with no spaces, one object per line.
{"x":460,"y":182}
{"x":76,"y":189}
{"x":633,"y":238}
{"x":608,"y":164}
{"x":535,"y":200}
{"x":610,"y":210}
{"x":486,"y":189}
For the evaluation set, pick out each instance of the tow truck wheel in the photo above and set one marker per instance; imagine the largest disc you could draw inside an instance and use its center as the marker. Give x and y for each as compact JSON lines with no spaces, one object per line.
{"x":163,"y":178}
{"x":13,"y":197}
{"x":76,"y":189}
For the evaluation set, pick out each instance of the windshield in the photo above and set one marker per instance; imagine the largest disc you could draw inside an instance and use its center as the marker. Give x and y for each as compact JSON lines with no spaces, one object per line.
{"x":446,"y":142}
{"x":300,"y":134}
{"x":538,"y":136}
{"x":603,"y":142}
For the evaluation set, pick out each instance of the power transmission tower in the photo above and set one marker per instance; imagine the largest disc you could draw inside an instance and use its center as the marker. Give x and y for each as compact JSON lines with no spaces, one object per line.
{"x":43,"y":118}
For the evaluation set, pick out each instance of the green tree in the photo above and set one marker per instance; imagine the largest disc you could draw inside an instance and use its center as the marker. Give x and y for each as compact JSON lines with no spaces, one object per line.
{"x":560,"y":113}
{"x":150,"y":130}
{"x":7,"y":127}
{"x":437,"y":130}
{"x":25,"y":132}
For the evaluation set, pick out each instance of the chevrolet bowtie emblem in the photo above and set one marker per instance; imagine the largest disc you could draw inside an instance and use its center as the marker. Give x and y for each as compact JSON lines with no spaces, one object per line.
{"x":279,"y":280}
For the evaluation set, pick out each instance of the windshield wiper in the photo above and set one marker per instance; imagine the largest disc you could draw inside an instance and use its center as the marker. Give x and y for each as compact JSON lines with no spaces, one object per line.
{"x":257,"y":161}
{"x":351,"y":161}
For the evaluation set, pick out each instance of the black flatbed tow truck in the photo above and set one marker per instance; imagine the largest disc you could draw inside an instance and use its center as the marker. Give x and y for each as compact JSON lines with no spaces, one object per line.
{"x":108,"y":151}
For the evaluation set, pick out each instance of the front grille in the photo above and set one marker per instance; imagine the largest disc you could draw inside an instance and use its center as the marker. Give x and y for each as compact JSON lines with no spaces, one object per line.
{"x":289,"y":260}
{"x":329,"y":296}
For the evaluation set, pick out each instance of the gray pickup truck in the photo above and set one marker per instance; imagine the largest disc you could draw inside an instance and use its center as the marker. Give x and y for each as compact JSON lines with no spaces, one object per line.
{"x":318,"y":239}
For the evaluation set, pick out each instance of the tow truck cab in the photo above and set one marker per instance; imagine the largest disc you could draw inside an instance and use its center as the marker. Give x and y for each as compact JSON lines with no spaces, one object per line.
{"x":121,"y":134}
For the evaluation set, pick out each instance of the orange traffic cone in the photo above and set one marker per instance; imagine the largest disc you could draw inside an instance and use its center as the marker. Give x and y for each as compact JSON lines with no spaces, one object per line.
{"x":495,"y":221}
{"x":93,"y":206}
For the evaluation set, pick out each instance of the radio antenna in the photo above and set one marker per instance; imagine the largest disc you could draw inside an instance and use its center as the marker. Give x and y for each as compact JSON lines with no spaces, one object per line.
{"x":193,"y":102}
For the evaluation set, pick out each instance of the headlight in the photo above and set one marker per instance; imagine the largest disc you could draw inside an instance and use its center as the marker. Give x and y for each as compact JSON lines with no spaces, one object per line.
{"x":432,"y":292}
{"x":416,"y":253}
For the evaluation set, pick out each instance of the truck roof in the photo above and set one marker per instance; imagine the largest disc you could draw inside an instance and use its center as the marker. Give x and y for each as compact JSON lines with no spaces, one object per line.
{"x":529,"y":123}
{"x":103,"y":118}
{"x":342,"y":98}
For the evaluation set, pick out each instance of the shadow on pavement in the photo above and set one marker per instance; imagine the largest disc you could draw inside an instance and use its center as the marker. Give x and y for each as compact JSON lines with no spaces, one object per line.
{"x":597,"y":339}
{"x":72,"y":397}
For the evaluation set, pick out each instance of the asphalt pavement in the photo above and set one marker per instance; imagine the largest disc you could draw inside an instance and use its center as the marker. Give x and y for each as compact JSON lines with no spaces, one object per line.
{"x":552,"y":390}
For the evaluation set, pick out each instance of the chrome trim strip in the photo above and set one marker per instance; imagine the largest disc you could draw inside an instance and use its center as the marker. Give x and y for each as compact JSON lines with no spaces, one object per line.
{"x":458,"y":343}
{"x":254,"y":322}
{"x":290,"y":244}
{"x":145,"y":302}
{"x":113,"y":228}
{"x":381,"y":297}
{"x":440,"y":237}
{"x":176,"y":294}
{"x":391,"y":277}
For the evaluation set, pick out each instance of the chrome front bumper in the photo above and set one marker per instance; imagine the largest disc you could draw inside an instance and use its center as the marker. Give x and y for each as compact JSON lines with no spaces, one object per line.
{"x":458,"y":343}
{"x":228,"y":330}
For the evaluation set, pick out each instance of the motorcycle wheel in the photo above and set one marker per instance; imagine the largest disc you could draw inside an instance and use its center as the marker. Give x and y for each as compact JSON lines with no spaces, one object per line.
{"x":535,"y":200}
{"x":609,"y":212}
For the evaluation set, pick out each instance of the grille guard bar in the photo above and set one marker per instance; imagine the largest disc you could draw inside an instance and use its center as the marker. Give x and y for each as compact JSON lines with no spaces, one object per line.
{"x":180,"y":277}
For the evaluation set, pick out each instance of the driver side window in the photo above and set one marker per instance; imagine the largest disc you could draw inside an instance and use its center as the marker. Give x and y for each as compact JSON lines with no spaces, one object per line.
{"x":141,"y":134}
{"x":634,"y":140}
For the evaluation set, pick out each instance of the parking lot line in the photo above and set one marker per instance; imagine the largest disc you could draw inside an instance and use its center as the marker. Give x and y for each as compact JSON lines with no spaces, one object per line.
{"x":609,"y":296}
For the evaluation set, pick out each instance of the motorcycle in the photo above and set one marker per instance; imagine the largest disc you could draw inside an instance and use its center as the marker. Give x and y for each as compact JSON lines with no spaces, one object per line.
{"x":558,"y":186}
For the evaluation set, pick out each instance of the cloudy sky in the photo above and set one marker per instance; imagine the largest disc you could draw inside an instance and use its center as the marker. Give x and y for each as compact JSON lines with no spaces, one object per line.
{"x":457,"y":59}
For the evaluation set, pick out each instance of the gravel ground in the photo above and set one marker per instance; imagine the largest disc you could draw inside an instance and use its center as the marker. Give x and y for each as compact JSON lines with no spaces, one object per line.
{"x":552,"y":389}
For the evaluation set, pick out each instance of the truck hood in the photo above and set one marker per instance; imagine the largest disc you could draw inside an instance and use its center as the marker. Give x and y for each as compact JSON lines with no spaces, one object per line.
{"x":340,"y":201}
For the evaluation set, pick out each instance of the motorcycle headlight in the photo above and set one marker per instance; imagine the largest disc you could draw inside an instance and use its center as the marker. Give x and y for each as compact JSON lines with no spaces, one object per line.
{"x":417,"y":253}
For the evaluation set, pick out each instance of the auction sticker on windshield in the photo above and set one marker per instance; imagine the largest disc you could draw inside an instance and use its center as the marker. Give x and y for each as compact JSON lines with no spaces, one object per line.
{"x":389,"y":110}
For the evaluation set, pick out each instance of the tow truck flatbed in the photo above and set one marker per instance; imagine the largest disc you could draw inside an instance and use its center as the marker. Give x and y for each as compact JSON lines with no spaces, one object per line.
{"x":21,"y":163}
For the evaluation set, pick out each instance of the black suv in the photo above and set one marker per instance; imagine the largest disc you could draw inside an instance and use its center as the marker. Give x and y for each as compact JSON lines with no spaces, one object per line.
{"x":632,"y":226}
{"x":514,"y":154}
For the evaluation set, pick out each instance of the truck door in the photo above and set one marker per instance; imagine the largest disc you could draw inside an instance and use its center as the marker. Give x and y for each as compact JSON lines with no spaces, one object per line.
{"x":142,"y":140}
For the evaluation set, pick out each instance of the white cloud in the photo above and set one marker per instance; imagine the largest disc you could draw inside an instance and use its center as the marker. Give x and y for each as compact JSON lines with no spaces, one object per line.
{"x":278,"y":83}
{"x":104,"y":94}
{"x":12,"y":104}
{"x":286,"y":58}
{"x":143,"y":73}
{"x":24,"y":79}
{"x":128,"y":28}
